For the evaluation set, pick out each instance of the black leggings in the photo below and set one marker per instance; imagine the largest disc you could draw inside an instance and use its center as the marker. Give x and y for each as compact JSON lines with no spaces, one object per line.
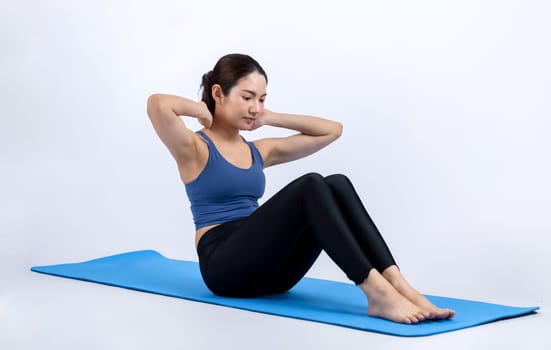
{"x":272,"y":249}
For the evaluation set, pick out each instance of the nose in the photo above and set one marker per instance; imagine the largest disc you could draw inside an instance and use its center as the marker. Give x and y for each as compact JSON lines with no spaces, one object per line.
{"x":254,"y":108}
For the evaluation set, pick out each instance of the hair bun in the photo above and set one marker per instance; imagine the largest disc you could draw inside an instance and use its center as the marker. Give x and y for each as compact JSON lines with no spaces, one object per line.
{"x":207,"y":78}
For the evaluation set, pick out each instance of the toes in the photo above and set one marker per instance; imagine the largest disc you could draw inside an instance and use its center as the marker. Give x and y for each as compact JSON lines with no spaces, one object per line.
{"x":434,"y":314}
{"x":440,"y":314}
{"x":446,"y":314}
{"x":420,"y":316}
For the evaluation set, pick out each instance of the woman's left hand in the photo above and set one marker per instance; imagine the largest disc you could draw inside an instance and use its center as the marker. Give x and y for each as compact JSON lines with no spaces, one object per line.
{"x":261,"y":119}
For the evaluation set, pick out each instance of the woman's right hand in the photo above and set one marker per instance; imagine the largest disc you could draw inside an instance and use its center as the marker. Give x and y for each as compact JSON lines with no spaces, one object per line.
{"x":204,"y":116}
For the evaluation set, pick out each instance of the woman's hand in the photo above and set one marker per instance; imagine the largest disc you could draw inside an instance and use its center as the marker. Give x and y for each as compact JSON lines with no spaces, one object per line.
{"x":262,"y":119}
{"x":204,"y":116}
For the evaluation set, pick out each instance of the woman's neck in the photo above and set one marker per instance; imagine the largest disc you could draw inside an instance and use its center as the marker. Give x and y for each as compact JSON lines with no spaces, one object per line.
{"x":223,"y":133}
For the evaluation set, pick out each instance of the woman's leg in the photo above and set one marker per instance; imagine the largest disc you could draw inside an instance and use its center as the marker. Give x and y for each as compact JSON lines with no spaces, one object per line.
{"x":231,"y":268}
{"x":374,"y":246}
{"x":275,"y":238}
{"x":257,"y":252}
{"x":366,"y":233}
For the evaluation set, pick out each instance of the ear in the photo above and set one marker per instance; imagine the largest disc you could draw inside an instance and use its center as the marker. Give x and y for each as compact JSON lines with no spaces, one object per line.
{"x":217,"y":93}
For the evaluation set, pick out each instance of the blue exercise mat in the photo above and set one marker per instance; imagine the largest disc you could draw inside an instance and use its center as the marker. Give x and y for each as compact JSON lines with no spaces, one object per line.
{"x":311,"y":299}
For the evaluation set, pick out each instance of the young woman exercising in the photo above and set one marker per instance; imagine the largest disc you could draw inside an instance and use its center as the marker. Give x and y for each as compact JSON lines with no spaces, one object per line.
{"x":247,"y":250}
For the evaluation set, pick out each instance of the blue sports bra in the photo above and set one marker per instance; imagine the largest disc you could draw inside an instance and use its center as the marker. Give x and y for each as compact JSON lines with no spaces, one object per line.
{"x":223,"y":192}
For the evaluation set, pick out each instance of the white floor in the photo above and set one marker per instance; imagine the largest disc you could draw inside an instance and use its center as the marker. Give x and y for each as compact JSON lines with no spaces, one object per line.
{"x":45,"y":312}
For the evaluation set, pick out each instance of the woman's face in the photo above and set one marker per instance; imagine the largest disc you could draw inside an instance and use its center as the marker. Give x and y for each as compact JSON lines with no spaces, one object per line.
{"x":244,"y":103}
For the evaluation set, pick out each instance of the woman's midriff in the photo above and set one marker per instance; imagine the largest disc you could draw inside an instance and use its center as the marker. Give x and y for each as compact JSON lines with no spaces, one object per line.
{"x":200,"y":232}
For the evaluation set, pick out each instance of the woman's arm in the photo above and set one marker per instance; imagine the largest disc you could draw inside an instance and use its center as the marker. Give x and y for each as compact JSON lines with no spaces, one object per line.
{"x":314,"y":134}
{"x":164,"y":111}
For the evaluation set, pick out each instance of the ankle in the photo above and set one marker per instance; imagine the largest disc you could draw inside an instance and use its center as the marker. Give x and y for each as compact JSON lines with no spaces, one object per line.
{"x":375,"y":284}
{"x":393,"y":275}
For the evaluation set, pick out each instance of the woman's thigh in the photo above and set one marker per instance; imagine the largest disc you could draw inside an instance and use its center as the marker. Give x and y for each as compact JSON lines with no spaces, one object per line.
{"x":268,"y":252}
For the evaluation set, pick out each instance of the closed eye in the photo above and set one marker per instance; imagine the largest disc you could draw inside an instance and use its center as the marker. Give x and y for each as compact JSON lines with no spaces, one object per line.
{"x":248,"y":98}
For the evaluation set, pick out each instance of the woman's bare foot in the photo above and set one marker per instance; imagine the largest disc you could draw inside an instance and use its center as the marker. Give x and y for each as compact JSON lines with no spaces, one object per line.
{"x":386,"y":302}
{"x":393,"y":275}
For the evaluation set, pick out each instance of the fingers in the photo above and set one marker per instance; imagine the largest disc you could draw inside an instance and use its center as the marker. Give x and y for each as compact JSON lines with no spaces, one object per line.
{"x":206,"y":122}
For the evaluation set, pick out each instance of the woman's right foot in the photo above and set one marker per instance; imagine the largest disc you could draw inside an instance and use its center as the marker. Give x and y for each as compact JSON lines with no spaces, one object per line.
{"x":386,"y":302}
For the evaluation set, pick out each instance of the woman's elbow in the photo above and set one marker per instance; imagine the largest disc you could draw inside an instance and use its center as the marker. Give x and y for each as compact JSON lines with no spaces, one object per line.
{"x":154,"y":103}
{"x":154,"y":100}
{"x":337,"y":130}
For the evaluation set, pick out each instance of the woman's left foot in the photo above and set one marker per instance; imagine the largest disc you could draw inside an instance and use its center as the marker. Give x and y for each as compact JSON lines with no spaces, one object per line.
{"x":431,"y":312}
{"x":434,"y":313}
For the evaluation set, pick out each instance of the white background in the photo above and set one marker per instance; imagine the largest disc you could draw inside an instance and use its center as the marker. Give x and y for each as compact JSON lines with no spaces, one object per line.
{"x":445,"y":106}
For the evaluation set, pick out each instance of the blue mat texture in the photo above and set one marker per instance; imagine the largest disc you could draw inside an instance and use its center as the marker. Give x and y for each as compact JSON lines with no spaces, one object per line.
{"x":311,"y":299}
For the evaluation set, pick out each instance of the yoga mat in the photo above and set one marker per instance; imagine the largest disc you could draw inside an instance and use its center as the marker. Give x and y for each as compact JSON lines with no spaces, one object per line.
{"x":311,"y":299}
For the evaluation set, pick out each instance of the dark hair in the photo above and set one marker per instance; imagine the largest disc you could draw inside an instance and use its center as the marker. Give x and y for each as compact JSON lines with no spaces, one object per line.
{"x":227,"y":71}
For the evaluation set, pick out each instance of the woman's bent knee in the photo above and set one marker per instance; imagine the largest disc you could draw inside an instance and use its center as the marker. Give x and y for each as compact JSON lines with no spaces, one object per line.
{"x":311,"y":180}
{"x":336,"y":179}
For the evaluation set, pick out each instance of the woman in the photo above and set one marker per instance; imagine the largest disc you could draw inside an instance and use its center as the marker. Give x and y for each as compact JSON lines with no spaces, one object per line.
{"x":246,"y":250}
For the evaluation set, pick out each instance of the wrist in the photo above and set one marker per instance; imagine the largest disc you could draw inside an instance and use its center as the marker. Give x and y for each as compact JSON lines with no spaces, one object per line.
{"x":199,"y":109}
{"x":272,"y":118}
